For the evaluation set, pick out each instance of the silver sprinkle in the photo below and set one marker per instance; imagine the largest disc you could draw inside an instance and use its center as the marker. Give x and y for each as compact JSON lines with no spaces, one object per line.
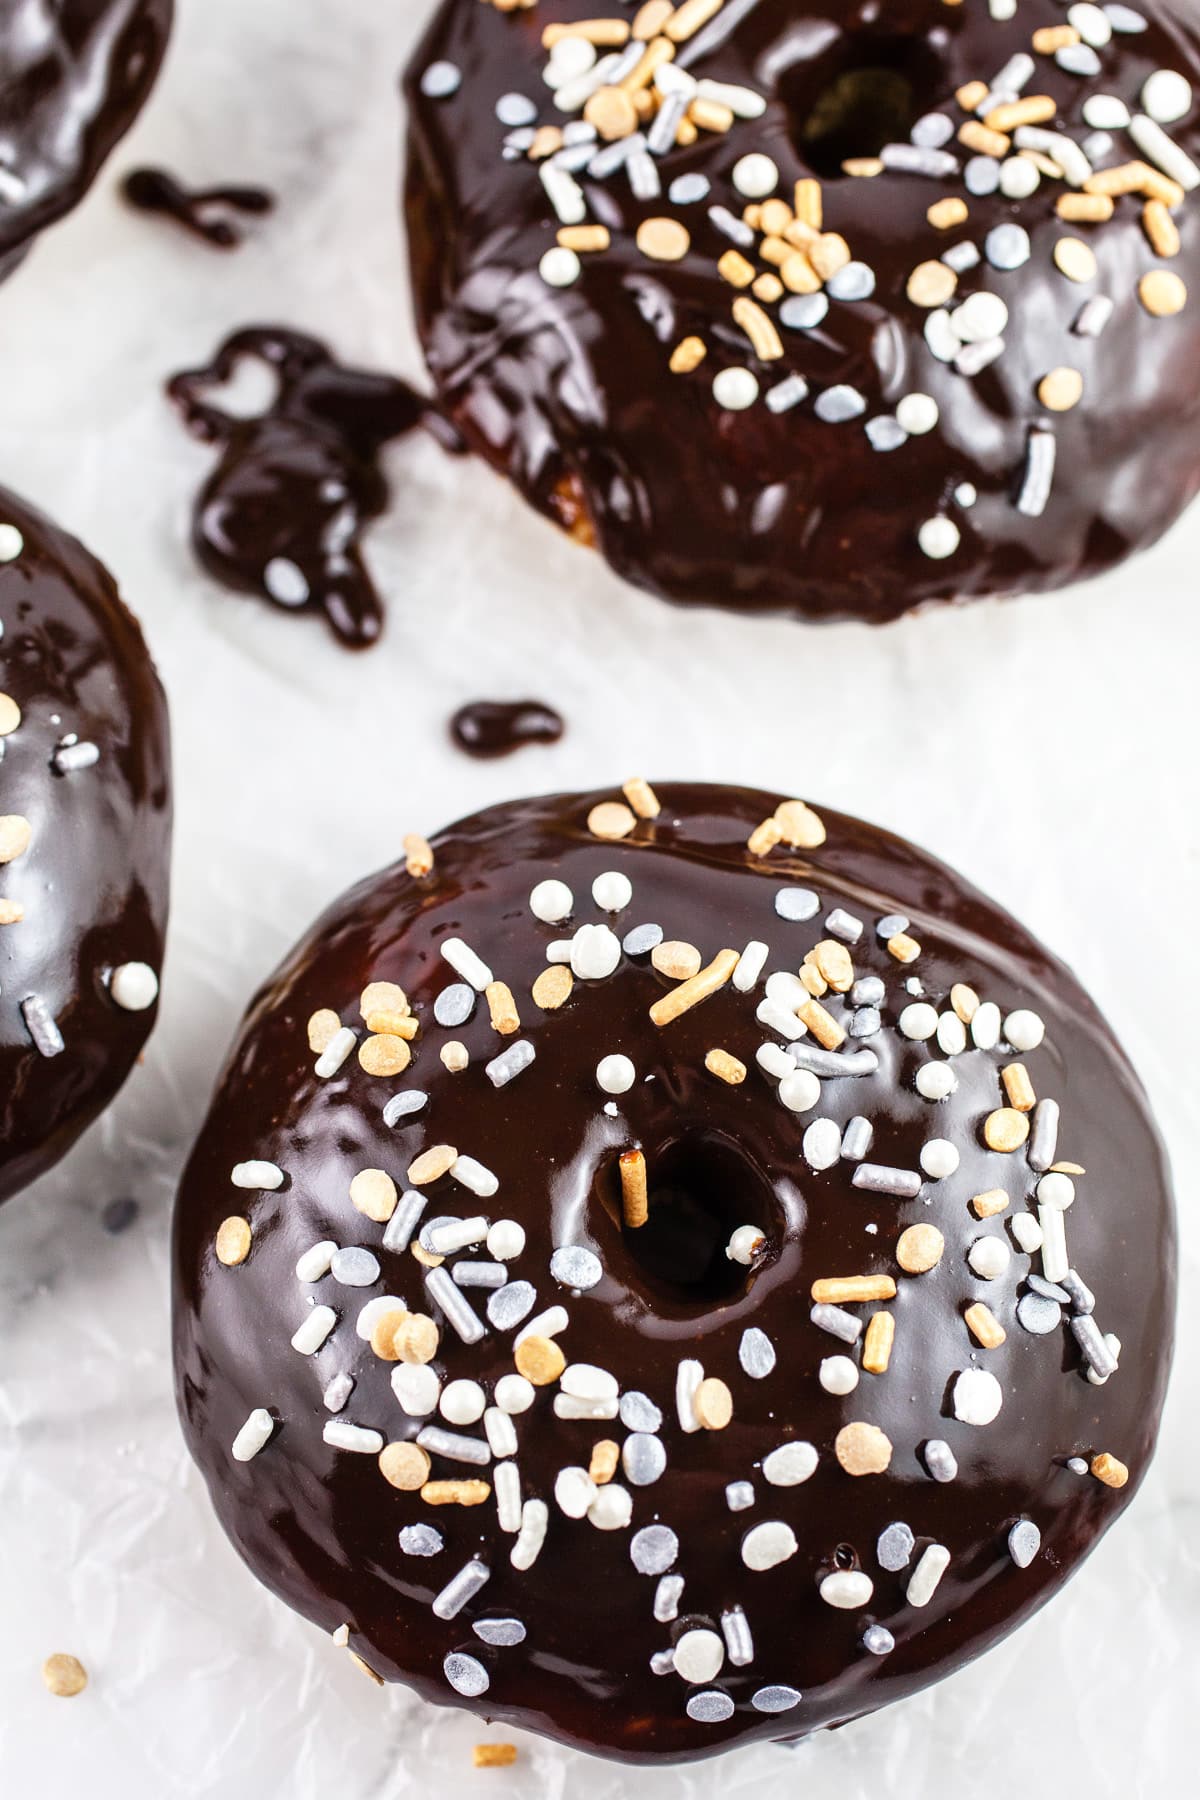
{"x":440,"y":80}
{"x":1038,"y":1316}
{"x":501,"y":1634}
{"x":837,"y":1322}
{"x":940,"y":1460}
{"x":932,"y":130}
{"x":830,"y":1064}
{"x":689,"y":190}
{"x":756,"y":1353}
{"x":1125,"y":19}
{"x":661,"y":136}
{"x":403,"y":1106}
{"x":68,"y":759}
{"x":1024,"y":1542}
{"x":856,"y":1139}
{"x":961,"y":257}
{"x":653,"y":1549}
{"x":981,"y":175}
{"x":913,"y":160}
{"x":576,"y":1267}
{"x":1007,"y":246}
{"x":354,"y":1267}
{"x":455,"y":1004}
{"x":712,"y":1707}
{"x":1096,"y":1352}
{"x":1043,"y":1139}
{"x":667,"y":1596}
{"x":1016,"y":74}
{"x":839,"y":404}
{"x":1039,"y":473}
{"x":894,"y":1549}
{"x":1059,"y":148}
{"x":885,"y":433}
{"x":1078,"y":59}
{"x":607,"y":161}
{"x":866,"y":1022}
{"x":869,"y":990}
{"x":853,"y":281}
{"x":1078,"y":1292}
{"x":739,"y":1495}
{"x":844,"y":925}
{"x":1049,"y":1290}
{"x":802,"y":312}
{"x":1093,"y":316}
{"x":878,"y":1640}
{"x":479,"y":1274}
{"x":455,"y":1446}
{"x":639,"y":1413}
{"x":504,"y":1068}
{"x":775,"y":1699}
{"x":786,"y":394}
{"x":890,"y":926}
{"x":878,"y":1178}
{"x":730,"y":226}
{"x":644,"y":179}
{"x":739,"y":1643}
{"x":643,"y":1458}
{"x":516,"y":109}
{"x":797,"y":904}
{"x":642,"y":939}
{"x":460,"y":1589}
{"x":421,"y":1540}
{"x":509,"y":1305}
{"x":662,"y":1662}
{"x":466,"y":1674}
{"x":464,"y":1319}
{"x":42,"y":1026}
{"x":397,"y":1234}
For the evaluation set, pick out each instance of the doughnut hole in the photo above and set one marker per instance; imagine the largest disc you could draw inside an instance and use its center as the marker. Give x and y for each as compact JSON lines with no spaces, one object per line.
{"x":701,"y":1189}
{"x":865,"y":92}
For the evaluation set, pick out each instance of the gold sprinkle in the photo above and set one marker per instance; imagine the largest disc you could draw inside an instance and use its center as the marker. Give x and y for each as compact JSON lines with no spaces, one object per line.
{"x":404,"y":1466}
{"x":1162,"y":293}
{"x":547,"y":141}
{"x":650,"y":19}
{"x":864,"y":167}
{"x":1160,"y":228}
{"x":1031,"y":109}
{"x":764,"y":339}
{"x":1005,"y":1129}
{"x":496,"y":1756}
{"x":675,"y":959}
{"x":373,"y":1193}
{"x":1084,"y":209}
{"x":552,"y":988}
{"x":862,"y":1449}
{"x":984,"y":1326}
{"x":65,"y":1676}
{"x":833,"y":960}
{"x":657,"y":52}
{"x":610,"y":820}
{"x":585,"y":239}
{"x":905,"y":949}
{"x":1067,"y":1168}
{"x":383,"y":996}
{"x":393,"y":1024}
{"x":985,"y":142}
{"x":688,"y":18}
{"x":416,"y":1339}
{"x":610,"y":32}
{"x":455,"y":1493}
{"x":772,"y":218}
{"x":1109,"y":1469}
{"x":426,"y":1258}
{"x":799,"y":826}
{"x":635,"y":1200}
{"x":828,"y":253}
{"x":822,"y":1024}
{"x":454,"y":1056}
{"x":877,"y":1343}
{"x":663,"y":240}
{"x":383,"y":1341}
{"x":813,"y":980}
{"x":839,"y":1290}
{"x":432,"y":1164}
{"x":725,"y":1067}
{"x":931,"y":284}
{"x":733,"y":268}
{"x":1018,"y":1088}
{"x":10,"y":715}
{"x":798,"y":275}
{"x":233,"y":1241}
{"x":642,"y":797}
{"x":971,"y":95}
{"x":713,"y":1404}
{"x":987,"y":1205}
{"x":612,"y":111}
{"x":691,"y":993}
{"x":15,"y":833}
{"x":920,"y":1248}
{"x":502,"y":1007}
{"x":1049,"y":38}
{"x":539,"y":1360}
{"x":1075,"y":259}
{"x":11,"y":912}
{"x":605,"y":1457}
{"x":710,"y":115}
{"x":687,"y":355}
{"x":323,"y":1027}
{"x":944,"y":215}
{"x":355,"y":1658}
{"x":764,"y":837}
{"x":1135,"y":178}
{"x":806,"y":198}
{"x":384,"y":1054}
{"x":418,"y":855}
{"x":965,"y":1001}
{"x":768,"y":288}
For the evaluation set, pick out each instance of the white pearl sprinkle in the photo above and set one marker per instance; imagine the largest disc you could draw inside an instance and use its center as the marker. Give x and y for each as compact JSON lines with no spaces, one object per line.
{"x":11,"y":543}
{"x":939,"y":538}
{"x":1166,"y":96}
{"x":978,"y":1397}
{"x":134,"y":986}
{"x":939,"y":1158}
{"x":505,"y":1240}
{"x":1091,"y":23}
{"x":800,"y":1091}
{"x":560,"y":267}
{"x":612,"y":1508}
{"x":989,"y":1257}
{"x":848,"y":1589}
{"x":918,"y":1021}
{"x":838,"y":1375}
{"x":936,"y":1081}
{"x":513,"y":1394}
{"x":612,"y":891}
{"x":1024,"y":1030}
{"x":744,"y":1244}
{"x":917,"y":414}
{"x":462,"y":1402}
{"x":755,"y":176}
{"x":1056,"y":1191}
{"x":416,"y":1387}
{"x":735,"y":389}
{"x":551,"y":902}
{"x":615,"y":1075}
{"x":595,"y":952}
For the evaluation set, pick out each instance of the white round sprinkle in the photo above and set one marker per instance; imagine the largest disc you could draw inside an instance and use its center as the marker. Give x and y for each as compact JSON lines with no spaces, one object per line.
{"x":466,"y":1675}
{"x":755,"y":176}
{"x":576,"y":1267}
{"x":505,"y":1240}
{"x":822,"y":1144}
{"x":515,"y":110}
{"x":711,"y":1708}
{"x":918,"y":1021}
{"x":985,"y":1026}
{"x":978,"y":1397}
{"x":11,"y":543}
{"x":981,"y":175}
{"x":560,"y":267}
{"x":1056,"y":1191}
{"x":285,"y":582}
{"x":354,"y":1267}
{"x":797,"y":904}
{"x":574,"y":1491}
{"x":768,"y":1545}
{"x":1105,"y":112}
{"x":939,"y":538}
{"x":801,"y":1091}
{"x":595,"y":952}
{"x":551,"y":902}
{"x":1091,"y":23}
{"x":790,"y":1465}
{"x":1024,"y":1542}
{"x":1019,"y":178}
{"x":653,"y":1549}
{"x":966,"y":494}
{"x":917,"y":414}
{"x":989,"y":1257}
{"x":257,"y":1174}
{"x":615,"y":1075}
{"x":936,"y":1081}
{"x":439,"y":81}
{"x":699,"y":1655}
{"x":838,"y":1375}
{"x":416,"y":1387}
{"x":1024,"y":1030}
{"x":513,"y":1394}
{"x":981,"y":316}
{"x":570,"y":58}
{"x":612,"y":891}
{"x":744,"y":1244}
{"x":421,"y":1540}
{"x":939,"y":1158}
{"x":756,"y":1353}
{"x":776,"y":1699}
{"x":848,"y":1589}
{"x":735,"y":389}
{"x":462,"y":1402}
{"x":612,"y":1508}
{"x":1006,"y":247}
{"x":134,"y":986}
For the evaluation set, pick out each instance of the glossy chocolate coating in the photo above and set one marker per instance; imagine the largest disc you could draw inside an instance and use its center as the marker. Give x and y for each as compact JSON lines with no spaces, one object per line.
{"x":568,"y":391}
{"x":73,"y":77}
{"x":319,"y":1526}
{"x":490,"y":728}
{"x":296,"y":485}
{"x":94,"y":880}
{"x":203,"y":212}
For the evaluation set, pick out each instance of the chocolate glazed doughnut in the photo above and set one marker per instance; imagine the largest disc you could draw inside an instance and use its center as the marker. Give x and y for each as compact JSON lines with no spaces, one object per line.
{"x":73,"y":77}
{"x":824,"y":309}
{"x":703,"y":1327}
{"x":84,"y":841}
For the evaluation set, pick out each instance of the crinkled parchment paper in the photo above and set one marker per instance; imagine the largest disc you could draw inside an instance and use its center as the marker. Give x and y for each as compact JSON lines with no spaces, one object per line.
{"x":1046,"y":747}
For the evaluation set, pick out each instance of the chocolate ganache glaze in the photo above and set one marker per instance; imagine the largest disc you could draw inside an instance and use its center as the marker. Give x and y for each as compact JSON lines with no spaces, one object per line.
{"x":489,"y":728}
{"x":73,"y":77}
{"x":827,"y":309}
{"x":727,"y":1452}
{"x":84,"y":841}
{"x":204,"y":212}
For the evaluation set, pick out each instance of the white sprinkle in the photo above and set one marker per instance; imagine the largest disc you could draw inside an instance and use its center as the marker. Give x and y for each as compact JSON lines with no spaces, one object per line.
{"x":1154,"y":143}
{"x":337,"y":1392}
{"x":560,"y":267}
{"x":1019,"y":177}
{"x":1091,"y":23}
{"x":440,"y":80}
{"x":456,"y":1234}
{"x":838,"y":1375}
{"x":370,"y":1315}
{"x":1056,"y":1191}
{"x":546,"y":1324}
{"x":687,"y":1379}
{"x":940,"y":336}
{"x":464,"y":962}
{"x":416,"y":1387}
{"x":985,"y":1026}
{"x":774,"y":1061}
{"x":574,"y":1491}
{"x":922,"y":1583}
{"x":989,"y":1258}
{"x":744,"y":1245}
{"x":566,"y":1408}
{"x":462,"y":1402}
{"x":980,"y":317}
{"x":514,"y":1394}
{"x":315,"y":1262}
{"x":936,"y":1081}
{"x":790,"y":1465}
{"x":1055,"y":1261}
{"x":340,"y":1435}
{"x":1166,"y":97}
{"x":743,"y":102}
{"x":756,"y":1353}
{"x":505,"y":1240}
{"x":739,"y":1495}
{"x":551,"y":902}
{"x":1042,"y":446}
{"x":667,"y":1596}
{"x":454,"y":1446}
{"x":11,"y":543}
{"x":1106,"y":112}
{"x":478,"y":1180}
{"x":335,"y":1053}
{"x":501,"y":1433}
{"x":506,"y":1480}
{"x":314,"y":1330}
{"x":978,"y":1397}
{"x":255,"y":1434}
{"x":1024,"y":1030}
{"x":565,"y":196}
{"x":1027,"y":1232}
{"x":612,"y":1508}
{"x":918,"y":1021}
{"x":615,"y":1075}
{"x":800,"y":1091}
{"x":535,"y":1516}
{"x":755,"y":176}
{"x":354,"y":1267}
{"x":699,"y":1655}
{"x":595,"y":952}
{"x":939,"y":1158}
{"x":917,"y":413}
{"x":822,"y":1144}
{"x":612,"y":891}
{"x":768,"y":1544}
{"x":734,"y":390}
{"x":134,"y":986}
{"x":848,"y":1589}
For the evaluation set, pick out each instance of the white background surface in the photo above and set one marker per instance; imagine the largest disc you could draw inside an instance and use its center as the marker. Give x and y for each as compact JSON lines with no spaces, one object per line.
{"x":1046,"y":747}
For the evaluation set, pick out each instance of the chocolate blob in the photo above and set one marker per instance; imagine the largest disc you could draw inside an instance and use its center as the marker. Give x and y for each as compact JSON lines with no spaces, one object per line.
{"x":829,"y":507}
{"x":491,"y":728}
{"x":204,"y":212}
{"x":282,"y":512}
{"x":571,"y":1645}
{"x":73,"y":77}
{"x":85,"y":780}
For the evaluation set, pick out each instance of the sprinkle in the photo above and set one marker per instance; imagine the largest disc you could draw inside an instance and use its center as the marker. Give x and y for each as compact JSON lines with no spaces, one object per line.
{"x":989,"y":1257}
{"x":790,"y":1465}
{"x":64,"y":1676}
{"x":856,"y":1138}
{"x":877,"y":1345}
{"x":977,"y":1397}
{"x":133,"y":985}
{"x":643,"y":1458}
{"x":1006,"y":1129}
{"x":595,"y":952}
{"x":354,"y":1267}
{"x":878,"y":1178}
{"x":551,"y":990}
{"x":923,"y":1583}
{"x":576,"y":1267}
{"x":894,"y":1548}
{"x":634,"y":1196}
{"x":466,"y":1674}
{"x":776,"y":1699}
{"x":878,"y":1640}
{"x":1038,"y":1315}
{"x":1162,"y":293}
{"x":317,"y":1326}
{"x":836,"y":1322}
{"x":745,"y":1245}
{"x":417,"y":1388}
{"x":455,"y":1493}
{"x":911,"y":159}
{"x":739,"y":1495}
{"x":513,"y":1394}
{"x":404,"y":1221}
{"x":615,"y":1075}
{"x":643,"y":939}
{"x":1096,"y":1352}
{"x":983,"y":1325}
{"x":847,"y":1589}
{"x":688,"y":1377}
{"x":1164,"y":152}
{"x":1039,"y":470}
{"x":42,"y":1026}
{"x":71,"y":756}
{"x":853,"y":1289}
{"x":699,"y":987}
{"x":653,"y":1550}
{"x":839,"y":404}
{"x":539,"y":1360}
{"x":1166,"y":96}
{"x":854,"y":281}
{"x":1109,"y":1469}
{"x":689,"y":190}
{"x":767,"y":1545}
{"x":418,"y":855}
{"x":432,"y":1164}
{"x":492,"y":1756}
{"x":358,"y":1439}
{"x":725,"y":1067}
{"x":667,"y":1596}
{"x":920,"y":1248}
{"x":549,"y":901}
{"x":507,"y":1306}
{"x":804,"y":312}
{"x":464,"y":962}
{"x":756,"y":1353}
{"x":465,"y":1321}
{"x":440,"y":80}
{"x":404,"y":1466}
{"x":1024,"y":1542}
{"x":254,"y":1435}
{"x":735,"y":389}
